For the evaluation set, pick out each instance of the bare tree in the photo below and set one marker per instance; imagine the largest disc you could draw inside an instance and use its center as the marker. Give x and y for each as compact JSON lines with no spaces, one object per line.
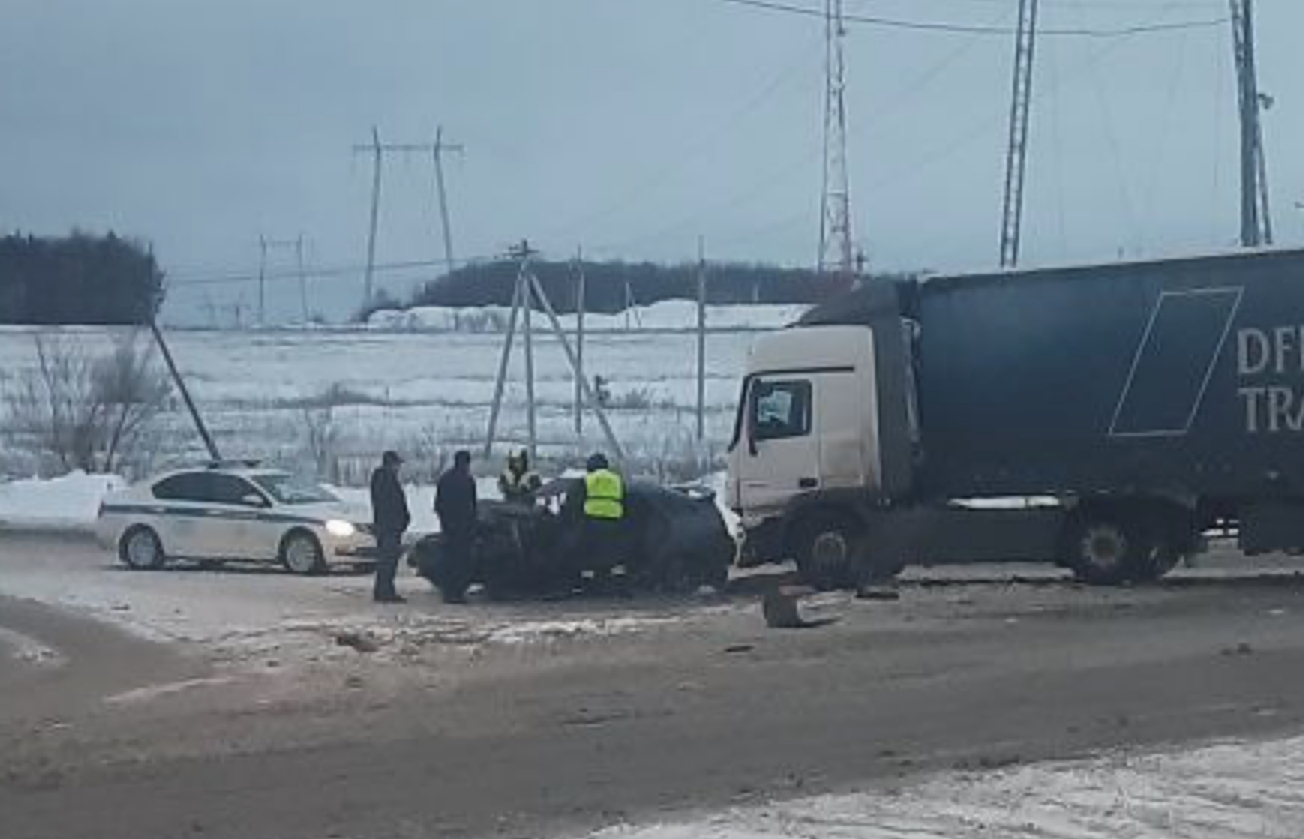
{"x":87,"y":411}
{"x":131,"y":390}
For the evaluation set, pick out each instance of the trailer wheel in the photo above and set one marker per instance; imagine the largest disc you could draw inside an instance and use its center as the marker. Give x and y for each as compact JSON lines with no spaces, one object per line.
{"x":1168,"y":543}
{"x":1104,"y":548}
{"x":1161,"y":558}
{"x":824,"y":546}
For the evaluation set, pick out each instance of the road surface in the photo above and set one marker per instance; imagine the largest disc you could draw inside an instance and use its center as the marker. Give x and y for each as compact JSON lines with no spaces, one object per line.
{"x":689,"y":707}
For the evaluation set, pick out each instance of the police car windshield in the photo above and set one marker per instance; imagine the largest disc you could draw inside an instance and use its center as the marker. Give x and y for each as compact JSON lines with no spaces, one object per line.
{"x":287,"y":489}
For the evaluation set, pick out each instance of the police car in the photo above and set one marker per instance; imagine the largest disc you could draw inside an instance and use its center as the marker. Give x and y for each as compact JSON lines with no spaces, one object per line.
{"x":233,"y":511}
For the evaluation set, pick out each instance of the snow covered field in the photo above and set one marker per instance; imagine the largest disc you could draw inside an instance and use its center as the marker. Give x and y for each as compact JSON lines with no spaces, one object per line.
{"x":427,"y":393}
{"x":1224,"y":791}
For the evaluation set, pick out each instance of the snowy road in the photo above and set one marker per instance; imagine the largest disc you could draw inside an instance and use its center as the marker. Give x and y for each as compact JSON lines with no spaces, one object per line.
{"x":973,"y":706}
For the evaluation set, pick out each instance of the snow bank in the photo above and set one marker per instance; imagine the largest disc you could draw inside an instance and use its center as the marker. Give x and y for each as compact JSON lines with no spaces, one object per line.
{"x":72,"y":502}
{"x":1229,"y":790}
{"x":69,"y":502}
{"x":666,"y":315}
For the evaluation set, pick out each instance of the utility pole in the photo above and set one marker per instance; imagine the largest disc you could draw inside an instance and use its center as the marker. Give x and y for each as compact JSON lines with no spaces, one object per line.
{"x":580,"y":305}
{"x":1256,"y":218}
{"x":438,"y":153}
{"x":184,"y":391}
{"x":303,"y":278}
{"x":262,"y":281}
{"x":527,"y":292}
{"x":836,"y":250}
{"x":378,"y":150}
{"x":1016,"y":155}
{"x":524,"y":253}
{"x":701,"y":339}
{"x":265,"y":247}
{"x":377,"y":161}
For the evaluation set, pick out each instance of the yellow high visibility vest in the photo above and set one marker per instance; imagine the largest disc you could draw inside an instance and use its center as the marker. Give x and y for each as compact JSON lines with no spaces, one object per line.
{"x":604,"y":495}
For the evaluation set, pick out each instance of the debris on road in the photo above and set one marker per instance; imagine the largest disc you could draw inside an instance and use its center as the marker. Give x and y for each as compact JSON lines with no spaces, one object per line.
{"x":357,"y":641}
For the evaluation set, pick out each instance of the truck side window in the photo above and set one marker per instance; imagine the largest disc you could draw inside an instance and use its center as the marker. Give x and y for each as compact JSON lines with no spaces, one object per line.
{"x":781,"y":409}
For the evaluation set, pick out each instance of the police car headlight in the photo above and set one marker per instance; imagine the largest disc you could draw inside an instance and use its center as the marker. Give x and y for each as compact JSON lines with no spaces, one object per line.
{"x":340,"y":529}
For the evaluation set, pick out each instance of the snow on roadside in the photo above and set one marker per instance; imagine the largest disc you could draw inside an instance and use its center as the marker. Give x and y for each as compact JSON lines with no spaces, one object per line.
{"x":68,"y":502}
{"x":71,"y":502}
{"x":1223,"y":791}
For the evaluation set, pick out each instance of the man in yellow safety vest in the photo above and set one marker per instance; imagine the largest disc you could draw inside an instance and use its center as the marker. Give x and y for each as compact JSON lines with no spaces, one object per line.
{"x":604,"y":491}
{"x":595,"y":512}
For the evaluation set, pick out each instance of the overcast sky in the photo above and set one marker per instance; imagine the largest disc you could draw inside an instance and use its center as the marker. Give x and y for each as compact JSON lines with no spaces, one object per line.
{"x":628,"y":127}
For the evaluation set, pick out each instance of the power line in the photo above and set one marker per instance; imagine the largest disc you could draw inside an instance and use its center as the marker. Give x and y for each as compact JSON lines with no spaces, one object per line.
{"x":981,"y":29}
{"x":184,"y":281}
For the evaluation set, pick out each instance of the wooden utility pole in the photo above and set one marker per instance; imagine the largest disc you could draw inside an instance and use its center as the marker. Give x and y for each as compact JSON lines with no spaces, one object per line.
{"x":580,"y":306}
{"x":701,"y":339}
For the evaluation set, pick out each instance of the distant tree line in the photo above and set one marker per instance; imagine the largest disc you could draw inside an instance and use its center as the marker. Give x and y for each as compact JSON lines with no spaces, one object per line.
{"x":611,"y":286}
{"x":77,"y":279}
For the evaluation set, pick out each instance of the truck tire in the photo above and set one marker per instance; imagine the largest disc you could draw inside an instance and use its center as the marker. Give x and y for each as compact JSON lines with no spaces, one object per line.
{"x":1104,"y":548}
{"x":824,"y":546}
{"x":1170,"y":539}
{"x":1161,"y":558}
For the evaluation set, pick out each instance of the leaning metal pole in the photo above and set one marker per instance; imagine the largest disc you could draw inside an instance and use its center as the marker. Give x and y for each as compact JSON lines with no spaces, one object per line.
{"x":184,"y":391}
{"x":503,"y":360}
{"x":589,"y":396}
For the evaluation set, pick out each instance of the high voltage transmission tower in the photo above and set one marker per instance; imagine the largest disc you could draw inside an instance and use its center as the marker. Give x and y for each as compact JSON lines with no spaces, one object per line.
{"x":1256,"y":219}
{"x":1016,"y":156}
{"x":836,"y":248}
{"x":378,"y":150}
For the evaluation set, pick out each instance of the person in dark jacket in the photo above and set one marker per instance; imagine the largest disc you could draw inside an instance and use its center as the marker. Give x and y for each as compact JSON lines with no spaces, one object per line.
{"x":455,"y":504}
{"x":390,"y":519}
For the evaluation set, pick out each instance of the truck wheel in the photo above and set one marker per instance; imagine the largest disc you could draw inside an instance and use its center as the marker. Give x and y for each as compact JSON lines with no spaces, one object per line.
{"x":825,"y":551}
{"x":1104,"y":549}
{"x":1160,"y":559}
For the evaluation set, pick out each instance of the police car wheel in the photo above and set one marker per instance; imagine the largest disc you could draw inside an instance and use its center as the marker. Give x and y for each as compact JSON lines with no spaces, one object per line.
{"x":141,"y":550}
{"x":301,"y":553}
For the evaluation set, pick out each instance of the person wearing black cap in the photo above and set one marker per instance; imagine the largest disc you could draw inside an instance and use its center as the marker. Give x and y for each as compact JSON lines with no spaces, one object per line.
{"x":389,"y":518}
{"x":455,"y":504}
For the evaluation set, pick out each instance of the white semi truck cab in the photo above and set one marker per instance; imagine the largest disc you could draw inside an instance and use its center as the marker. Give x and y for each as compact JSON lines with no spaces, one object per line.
{"x":1102,"y":417}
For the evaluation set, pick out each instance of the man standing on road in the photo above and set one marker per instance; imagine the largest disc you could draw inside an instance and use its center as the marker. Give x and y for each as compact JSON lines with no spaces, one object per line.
{"x":455,"y":504}
{"x":390,"y":519}
{"x":595,"y":516}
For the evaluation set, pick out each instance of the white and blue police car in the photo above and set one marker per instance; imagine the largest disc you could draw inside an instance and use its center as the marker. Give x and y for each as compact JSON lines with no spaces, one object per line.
{"x":228,"y":511}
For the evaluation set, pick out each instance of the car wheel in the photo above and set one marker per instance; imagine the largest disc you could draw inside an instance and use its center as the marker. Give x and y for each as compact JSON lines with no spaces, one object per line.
{"x":825,"y":548}
{"x":301,"y":553}
{"x":141,"y":550}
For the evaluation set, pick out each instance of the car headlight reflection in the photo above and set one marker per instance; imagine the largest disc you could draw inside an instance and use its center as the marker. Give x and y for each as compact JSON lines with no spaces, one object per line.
{"x":340,"y":529}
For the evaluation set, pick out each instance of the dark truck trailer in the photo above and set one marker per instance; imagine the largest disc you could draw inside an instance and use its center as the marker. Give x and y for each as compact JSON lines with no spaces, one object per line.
{"x":1101,"y":416}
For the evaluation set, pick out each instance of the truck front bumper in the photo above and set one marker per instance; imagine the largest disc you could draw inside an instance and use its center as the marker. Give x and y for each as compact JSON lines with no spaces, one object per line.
{"x":763,"y":542}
